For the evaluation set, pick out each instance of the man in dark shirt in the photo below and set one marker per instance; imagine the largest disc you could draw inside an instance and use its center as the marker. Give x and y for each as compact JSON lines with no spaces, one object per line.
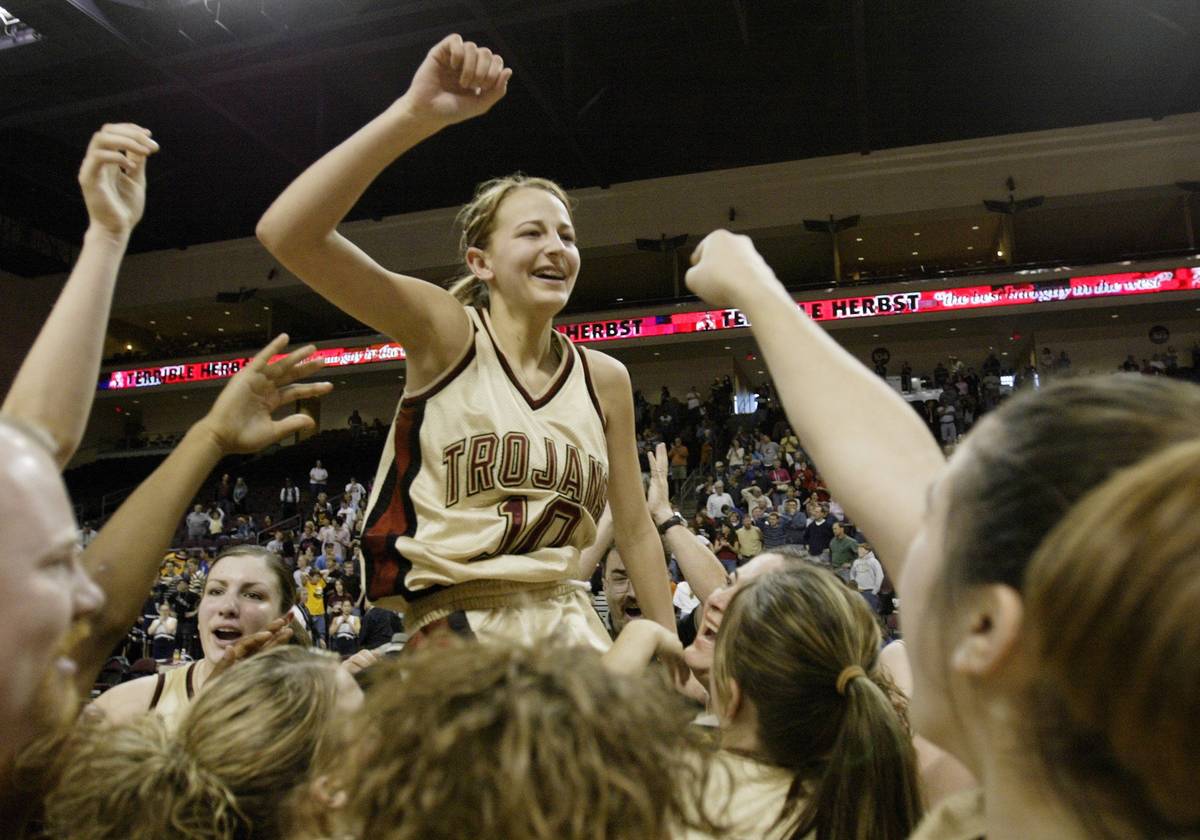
{"x":378,"y":626}
{"x":185,"y":602}
{"x":819,"y":534}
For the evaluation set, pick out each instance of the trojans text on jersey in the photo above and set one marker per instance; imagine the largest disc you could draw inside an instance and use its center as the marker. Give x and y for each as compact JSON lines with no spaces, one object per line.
{"x":485,"y":462}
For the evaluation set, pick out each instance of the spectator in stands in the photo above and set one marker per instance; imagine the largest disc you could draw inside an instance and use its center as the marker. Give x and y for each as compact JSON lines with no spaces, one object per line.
{"x":623,"y":605}
{"x":323,"y":509}
{"x":774,"y":532}
{"x":185,"y":603}
{"x":678,"y":457}
{"x":357,"y":492}
{"x":314,"y":602}
{"x":289,"y":500}
{"x":725,"y":547}
{"x":310,"y":541}
{"x":795,"y":523}
{"x":843,"y":550}
{"x":317,"y":477}
{"x":866,"y":572}
{"x":197,"y":525}
{"x":355,"y":423}
{"x":348,"y":511}
{"x":379,"y":625}
{"x":344,"y":627}
{"x":240,"y":491}
{"x":749,"y":541}
{"x":224,"y":495}
{"x":275,"y":544}
{"x":753,"y":497}
{"x":328,"y":558}
{"x":819,"y":533}
{"x":718,"y":501}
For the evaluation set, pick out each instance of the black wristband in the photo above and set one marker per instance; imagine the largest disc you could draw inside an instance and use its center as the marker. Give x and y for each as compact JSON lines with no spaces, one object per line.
{"x":668,"y":524}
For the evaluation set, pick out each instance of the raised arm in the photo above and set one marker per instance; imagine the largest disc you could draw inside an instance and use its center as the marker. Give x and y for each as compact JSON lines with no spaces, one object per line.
{"x":124,"y":558}
{"x":874,"y":453}
{"x":57,"y":397}
{"x":701,"y":568}
{"x":637,"y":539}
{"x":455,"y":82}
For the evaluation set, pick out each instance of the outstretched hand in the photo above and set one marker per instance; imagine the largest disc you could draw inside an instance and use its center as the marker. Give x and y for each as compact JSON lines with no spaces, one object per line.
{"x":727,"y":269}
{"x":658,"y":496}
{"x":457,"y":81}
{"x":113,"y":176}
{"x":240,"y":419}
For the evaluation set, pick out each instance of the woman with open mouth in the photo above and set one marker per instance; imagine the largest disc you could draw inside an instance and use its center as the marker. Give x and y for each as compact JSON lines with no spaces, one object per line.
{"x":247,"y":588}
{"x":507,"y":437}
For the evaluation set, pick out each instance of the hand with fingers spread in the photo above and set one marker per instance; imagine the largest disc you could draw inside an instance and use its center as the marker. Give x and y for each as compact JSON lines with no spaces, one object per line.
{"x":727,"y":270}
{"x":658,"y":497}
{"x":113,"y":176}
{"x":457,"y":81}
{"x":240,"y":419}
{"x":278,"y":632}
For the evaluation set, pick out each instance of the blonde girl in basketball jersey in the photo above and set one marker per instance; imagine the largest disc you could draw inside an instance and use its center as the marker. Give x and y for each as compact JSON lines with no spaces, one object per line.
{"x":508,"y":439}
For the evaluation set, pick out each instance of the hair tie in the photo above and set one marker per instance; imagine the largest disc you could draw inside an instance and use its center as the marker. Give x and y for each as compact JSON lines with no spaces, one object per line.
{"x":848,"y":673}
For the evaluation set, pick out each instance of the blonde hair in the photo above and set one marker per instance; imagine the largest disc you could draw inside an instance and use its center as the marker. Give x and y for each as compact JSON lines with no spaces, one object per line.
{"x":477,"y":219}
{"x":501,"y":740}
{"x":793,"y":640}
{"x":1112,"y":606}
{"x":244,"y":742}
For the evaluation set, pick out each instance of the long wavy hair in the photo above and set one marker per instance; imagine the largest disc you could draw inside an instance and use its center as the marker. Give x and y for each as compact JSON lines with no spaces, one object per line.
{"x":503,"y":740}
{"x":242,"y":745}
{"x":786,"y":639}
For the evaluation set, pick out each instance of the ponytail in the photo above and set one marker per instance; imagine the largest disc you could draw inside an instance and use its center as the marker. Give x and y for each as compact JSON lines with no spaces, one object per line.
{"x":860,"y":795}
{"x":470,"y":291}
{"x":137,"y":781}
{"x":804,"y":650}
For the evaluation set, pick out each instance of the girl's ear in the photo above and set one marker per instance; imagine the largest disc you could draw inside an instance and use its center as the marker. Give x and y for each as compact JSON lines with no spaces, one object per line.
{"x":480,"y":264}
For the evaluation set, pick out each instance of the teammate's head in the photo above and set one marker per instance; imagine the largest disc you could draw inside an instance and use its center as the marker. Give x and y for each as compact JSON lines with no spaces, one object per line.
{"x":42,"y":581}
{"x":1014,"y":477}
{"x":512,"y":229}
{"x":699,"y":654}
{"x":1112,"y":679}
{"x":780,"y":681}
{"x":247,"y":588}
{"x":248,"y":738}
{"x":502,"y":740}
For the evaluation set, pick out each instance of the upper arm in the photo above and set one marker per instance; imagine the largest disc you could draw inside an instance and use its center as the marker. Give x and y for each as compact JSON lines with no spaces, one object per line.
{"x":625,"y":493}
{"x":125,"y":702}
{"x":431,"y":324}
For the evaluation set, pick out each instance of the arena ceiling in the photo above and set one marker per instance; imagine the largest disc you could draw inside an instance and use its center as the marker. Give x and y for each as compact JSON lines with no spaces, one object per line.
{"x":243,"y":93}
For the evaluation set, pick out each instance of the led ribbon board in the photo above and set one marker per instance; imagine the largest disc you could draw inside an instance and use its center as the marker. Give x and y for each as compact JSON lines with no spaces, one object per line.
{"x":712,"y":320}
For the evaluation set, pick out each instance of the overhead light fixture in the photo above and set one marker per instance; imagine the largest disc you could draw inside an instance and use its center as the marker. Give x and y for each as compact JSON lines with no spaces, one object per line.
{"x":220,"y":329}
{"x":970,"y":247}
{"x":128,"y":346}
{"x":916,"y":233}
{"x":974,"y":227}
{"x":858,"y":239}
{"x":1116,"y":316}
{"x":226,"y":311}
{"x":915,"y":253}
{"x":620,"y":300}
{"x":14,"y":32}
{"x":860,"y":259}
{"x":153,"y":322}
{"x":954,"y":329}
{"x":189,"y":317}
{"x":999,"y":252}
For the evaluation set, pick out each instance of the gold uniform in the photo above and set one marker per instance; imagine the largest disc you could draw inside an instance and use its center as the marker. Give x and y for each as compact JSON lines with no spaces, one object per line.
{"x":485,"y":496}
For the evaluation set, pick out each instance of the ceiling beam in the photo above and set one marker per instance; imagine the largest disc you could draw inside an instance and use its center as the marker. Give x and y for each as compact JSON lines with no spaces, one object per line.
{"x":176,"y":85}
{"x":526,"y":79}
{"x":861,"y":106}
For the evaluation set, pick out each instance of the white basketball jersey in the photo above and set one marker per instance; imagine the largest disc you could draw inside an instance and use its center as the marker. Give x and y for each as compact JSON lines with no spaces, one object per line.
{"x":482,"y":481}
